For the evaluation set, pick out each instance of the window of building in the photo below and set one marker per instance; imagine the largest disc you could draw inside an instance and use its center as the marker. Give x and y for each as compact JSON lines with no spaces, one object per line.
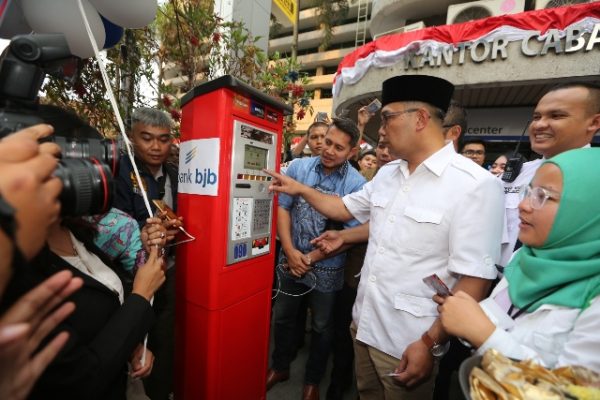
{"x":310,"y":72}
{"x":326,"y":93}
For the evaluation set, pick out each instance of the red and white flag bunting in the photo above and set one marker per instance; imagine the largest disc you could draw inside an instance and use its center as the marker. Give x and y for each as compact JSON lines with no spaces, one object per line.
{"x":389,"y":50}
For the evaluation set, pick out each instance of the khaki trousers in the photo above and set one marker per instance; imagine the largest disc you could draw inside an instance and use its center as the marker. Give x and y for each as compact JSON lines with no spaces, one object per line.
{"x":371,"y":367}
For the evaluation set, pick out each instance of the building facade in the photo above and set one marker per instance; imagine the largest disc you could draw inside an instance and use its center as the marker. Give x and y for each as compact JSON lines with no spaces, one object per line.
{"x":321,"y":65}
{"x":501,"y":55}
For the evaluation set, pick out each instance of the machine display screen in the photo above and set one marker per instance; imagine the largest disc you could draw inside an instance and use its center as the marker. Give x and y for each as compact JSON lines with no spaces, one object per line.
{"x":255,"y":157}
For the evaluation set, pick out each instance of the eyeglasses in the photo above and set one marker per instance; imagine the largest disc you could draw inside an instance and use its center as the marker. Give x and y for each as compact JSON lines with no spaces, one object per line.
{"x":385,"y":116}
{"x":537,"y":196}
{"x":473,"y":152}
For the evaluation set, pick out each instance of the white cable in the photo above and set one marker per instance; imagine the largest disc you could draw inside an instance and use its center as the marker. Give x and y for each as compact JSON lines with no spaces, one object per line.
{"x":128,"y":146}
{"x":281,"y":270}
{"x":113,"y":103}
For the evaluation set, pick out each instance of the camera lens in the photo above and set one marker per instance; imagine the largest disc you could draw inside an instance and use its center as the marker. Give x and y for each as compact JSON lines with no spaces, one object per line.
{"x":105,"y":150}
{"x":87,"y":187}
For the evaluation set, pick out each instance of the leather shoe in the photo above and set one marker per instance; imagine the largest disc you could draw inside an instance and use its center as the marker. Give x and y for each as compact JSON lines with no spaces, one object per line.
{"x":310,"y":392}
{"x":274,"y":377}
{"x":335,"y":392}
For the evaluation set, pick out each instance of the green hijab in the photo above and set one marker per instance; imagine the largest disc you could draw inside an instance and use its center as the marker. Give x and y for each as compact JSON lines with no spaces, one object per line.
{"x":570,"y":258}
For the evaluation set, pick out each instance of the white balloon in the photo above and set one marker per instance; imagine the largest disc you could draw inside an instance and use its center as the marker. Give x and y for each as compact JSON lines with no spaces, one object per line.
{"x":13,"y":21}
{"x":127,"y":13}
{"x":63,"y":16}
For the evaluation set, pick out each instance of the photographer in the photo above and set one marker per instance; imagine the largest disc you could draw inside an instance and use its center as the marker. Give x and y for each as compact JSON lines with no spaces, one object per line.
{"x":94,"y":361}
{"x":118,"y":234}
{"x":31,"y":205}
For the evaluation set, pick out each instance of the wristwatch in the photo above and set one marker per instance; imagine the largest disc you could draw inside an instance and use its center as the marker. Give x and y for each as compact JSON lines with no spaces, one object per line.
{"x":7,"y":219}
{"x":436,"y":349}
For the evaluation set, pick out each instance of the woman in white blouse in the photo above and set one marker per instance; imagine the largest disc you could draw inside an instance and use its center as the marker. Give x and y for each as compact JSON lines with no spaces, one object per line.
{"x":547,"y":307}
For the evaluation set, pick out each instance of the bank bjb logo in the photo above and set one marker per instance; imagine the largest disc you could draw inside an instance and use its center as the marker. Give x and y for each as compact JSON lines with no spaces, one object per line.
{"x":196,"y":176}
{"x":189,"y":156}
{"x":202,"y":177}
{"x":199,"y":167}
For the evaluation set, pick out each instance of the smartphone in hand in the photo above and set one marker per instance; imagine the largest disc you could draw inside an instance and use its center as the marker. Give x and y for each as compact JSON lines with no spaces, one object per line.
{"x":162,"y":206}
{"x":374,"y":106}
{"x":321,"y":117}
{"x":437,"y":285}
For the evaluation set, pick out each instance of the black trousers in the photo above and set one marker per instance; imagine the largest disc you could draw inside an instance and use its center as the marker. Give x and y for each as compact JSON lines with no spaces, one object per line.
{"x":342,"y":372}
{"x":159,"y":384}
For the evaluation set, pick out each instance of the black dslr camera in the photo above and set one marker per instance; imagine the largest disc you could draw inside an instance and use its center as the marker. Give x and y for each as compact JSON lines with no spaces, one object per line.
{"x":87,"y":165}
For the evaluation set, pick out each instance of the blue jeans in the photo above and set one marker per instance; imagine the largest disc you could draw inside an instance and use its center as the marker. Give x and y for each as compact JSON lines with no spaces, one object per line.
{"x":284,"y":317}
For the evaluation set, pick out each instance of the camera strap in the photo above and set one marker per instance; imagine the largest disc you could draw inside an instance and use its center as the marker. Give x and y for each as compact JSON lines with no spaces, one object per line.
{"x":113,"y":103}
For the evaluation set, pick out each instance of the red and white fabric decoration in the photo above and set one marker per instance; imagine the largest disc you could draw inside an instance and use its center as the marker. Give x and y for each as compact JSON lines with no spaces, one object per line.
{"x":390,"y":50}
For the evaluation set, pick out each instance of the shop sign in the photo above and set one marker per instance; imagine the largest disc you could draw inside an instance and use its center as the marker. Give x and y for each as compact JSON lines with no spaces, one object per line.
{"x":533,"y":44}
{"x":500,"y":124}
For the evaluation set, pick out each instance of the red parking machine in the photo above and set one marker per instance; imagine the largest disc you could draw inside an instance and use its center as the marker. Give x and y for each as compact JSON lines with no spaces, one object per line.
{"x":229,"y":133}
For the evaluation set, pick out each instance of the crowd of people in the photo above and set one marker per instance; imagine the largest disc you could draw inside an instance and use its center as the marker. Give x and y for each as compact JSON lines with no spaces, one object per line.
{"x":358,"y":233}
{"x":429,"y":207}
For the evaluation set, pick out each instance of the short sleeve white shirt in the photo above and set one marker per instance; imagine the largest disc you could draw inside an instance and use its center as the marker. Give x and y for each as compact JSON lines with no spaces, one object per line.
{"x":444,"y":218}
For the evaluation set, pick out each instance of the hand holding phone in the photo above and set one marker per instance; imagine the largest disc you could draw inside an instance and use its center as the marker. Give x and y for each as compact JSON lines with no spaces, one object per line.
{"x":322,"y":117}
{"x":374,"y":106}
{"x":437,"y":285}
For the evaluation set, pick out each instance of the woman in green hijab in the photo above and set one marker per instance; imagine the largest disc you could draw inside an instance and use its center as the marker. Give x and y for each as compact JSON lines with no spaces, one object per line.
{"x":547,"y":307}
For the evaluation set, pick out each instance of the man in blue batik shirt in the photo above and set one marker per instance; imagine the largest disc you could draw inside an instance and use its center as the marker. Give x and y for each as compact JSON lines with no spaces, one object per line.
{"x":297,"y":224}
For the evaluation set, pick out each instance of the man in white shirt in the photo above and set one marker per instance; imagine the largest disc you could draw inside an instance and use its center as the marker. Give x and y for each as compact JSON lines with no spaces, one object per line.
{"x":565,"y":118}
{"x":419,"y":225}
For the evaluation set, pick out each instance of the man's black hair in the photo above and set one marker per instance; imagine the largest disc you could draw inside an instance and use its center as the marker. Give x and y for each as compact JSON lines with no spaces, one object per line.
{"x":347,"y":126}
{"x":316,"y":124}
{"x":367,"y":153}
{"x":456,"y":115}
{"x":472,"y":141}
{"x":593,"y":89}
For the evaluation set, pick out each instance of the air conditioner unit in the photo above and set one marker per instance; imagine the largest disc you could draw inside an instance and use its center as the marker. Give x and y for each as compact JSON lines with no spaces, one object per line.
{"x":406,"y":28}
{"x":464,"y":12}
{"x":541,"y":4}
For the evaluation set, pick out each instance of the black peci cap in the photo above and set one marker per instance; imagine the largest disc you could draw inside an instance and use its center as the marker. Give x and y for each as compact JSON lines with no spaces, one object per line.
{"x":428,"y":89}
